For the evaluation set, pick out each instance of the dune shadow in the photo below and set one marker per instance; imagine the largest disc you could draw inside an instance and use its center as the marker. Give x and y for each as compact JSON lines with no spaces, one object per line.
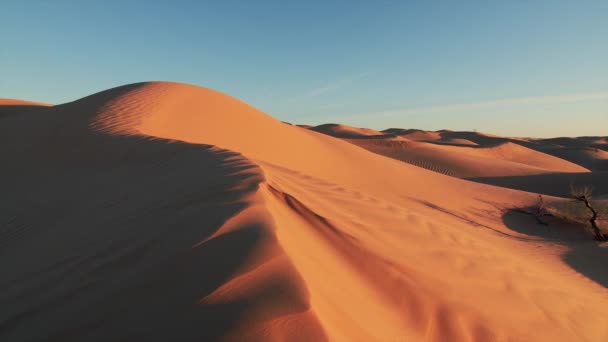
{"x":6,"y":110}
{"x":112,"y":237}
{"x":584,"y":255}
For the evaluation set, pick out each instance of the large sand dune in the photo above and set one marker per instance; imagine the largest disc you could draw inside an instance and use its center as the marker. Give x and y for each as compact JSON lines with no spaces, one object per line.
{"x":162,"y":211}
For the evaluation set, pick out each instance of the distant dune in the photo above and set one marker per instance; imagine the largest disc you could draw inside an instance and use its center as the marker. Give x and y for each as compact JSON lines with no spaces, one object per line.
{"x":554,"y":184}
{"x":163,"y":211}
{"x":593,"y":158}
{"x":344,"y":131}
{"x":476,"y":155}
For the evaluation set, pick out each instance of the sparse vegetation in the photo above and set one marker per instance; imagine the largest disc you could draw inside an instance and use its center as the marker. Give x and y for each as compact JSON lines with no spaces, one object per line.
{"x":583,"y":209}
{"x":583,"y":194}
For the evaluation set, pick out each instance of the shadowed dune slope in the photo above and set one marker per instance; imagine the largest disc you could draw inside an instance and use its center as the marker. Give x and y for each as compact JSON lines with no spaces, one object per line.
{"x":593,"y":158}
{"x":109,"y":237}
{"x":164,"y":211}
{"x":12,"y":106}
{"x":555,"y":184}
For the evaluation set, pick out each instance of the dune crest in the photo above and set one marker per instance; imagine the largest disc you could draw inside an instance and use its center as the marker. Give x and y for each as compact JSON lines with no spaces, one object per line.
{"x":14,"y":106}
{"x":193,"y":214}
{"x":344,"y":131}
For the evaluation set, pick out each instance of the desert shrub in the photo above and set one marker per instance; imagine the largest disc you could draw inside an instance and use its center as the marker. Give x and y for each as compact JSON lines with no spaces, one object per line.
{"x":575,"y":211}
{"x":581,"y":209}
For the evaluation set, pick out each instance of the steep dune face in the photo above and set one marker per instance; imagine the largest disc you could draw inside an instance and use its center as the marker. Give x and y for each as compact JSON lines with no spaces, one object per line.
{"x":158,"y":210}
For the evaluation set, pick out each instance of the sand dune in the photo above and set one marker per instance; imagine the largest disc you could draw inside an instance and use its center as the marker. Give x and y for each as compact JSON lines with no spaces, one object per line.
{"x":439,"y":137}
{"x":344,"y":131}
{"x":592,"y":158}
{"x":164,"y":211}
{"x":446,"y":160}
{"x":455,"y":142}
{"x":450,"y":153}
{"x":506,"y":159}
{"x":574,"y":142}
{"x":414,"y":134}
{"x":513,"y":152}
{"x":13,"y":106}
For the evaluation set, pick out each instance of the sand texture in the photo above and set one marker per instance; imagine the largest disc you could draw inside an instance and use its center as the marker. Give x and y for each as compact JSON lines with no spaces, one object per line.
{"x":169,"y":212}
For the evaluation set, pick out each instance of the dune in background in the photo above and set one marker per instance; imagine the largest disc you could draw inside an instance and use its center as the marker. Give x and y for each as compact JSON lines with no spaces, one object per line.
{"x":163,"y":211}
{"x":546,"y":166}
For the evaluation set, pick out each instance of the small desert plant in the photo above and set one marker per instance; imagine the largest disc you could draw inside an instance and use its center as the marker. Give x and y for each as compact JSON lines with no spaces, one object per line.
{"x":586,"y":210}
{"x":581,"y":209}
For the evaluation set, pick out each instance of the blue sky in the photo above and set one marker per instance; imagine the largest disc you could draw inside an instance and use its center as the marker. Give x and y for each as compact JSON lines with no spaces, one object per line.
{"x":522,"y":68}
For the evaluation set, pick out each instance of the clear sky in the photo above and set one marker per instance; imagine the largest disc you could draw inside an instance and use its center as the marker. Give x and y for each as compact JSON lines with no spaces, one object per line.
{"x":511,"y":67}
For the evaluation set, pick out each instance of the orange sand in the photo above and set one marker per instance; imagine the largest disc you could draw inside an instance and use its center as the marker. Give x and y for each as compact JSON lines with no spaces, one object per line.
{"x":164,"y":211}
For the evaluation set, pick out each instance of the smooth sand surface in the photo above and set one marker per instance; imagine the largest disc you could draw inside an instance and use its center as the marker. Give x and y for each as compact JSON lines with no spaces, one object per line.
{"x":163,"y":211}
{"x":507,"y":159}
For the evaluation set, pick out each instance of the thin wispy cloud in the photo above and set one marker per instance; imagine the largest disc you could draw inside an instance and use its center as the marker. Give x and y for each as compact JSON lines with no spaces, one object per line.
{"x":491,"y":104}
{"x":327,"y":88}
{"x":337,"y":84}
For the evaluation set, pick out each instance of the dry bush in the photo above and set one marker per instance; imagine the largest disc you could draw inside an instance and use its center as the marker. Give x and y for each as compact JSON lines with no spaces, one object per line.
{"x":583,"y":209}
{"x":577,"y":212}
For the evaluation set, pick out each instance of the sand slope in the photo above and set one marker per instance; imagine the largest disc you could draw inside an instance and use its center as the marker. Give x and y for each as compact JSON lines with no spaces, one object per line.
{"x":491,"y":159}
{"x":506,"y":159}
{"x":163,"y":211}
